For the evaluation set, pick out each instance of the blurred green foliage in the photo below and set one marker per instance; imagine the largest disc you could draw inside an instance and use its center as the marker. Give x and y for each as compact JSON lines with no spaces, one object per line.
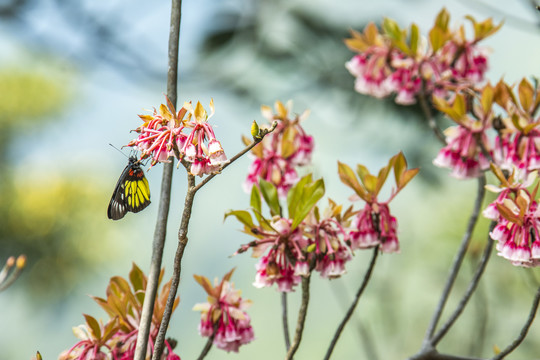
{"x":49,"y":217}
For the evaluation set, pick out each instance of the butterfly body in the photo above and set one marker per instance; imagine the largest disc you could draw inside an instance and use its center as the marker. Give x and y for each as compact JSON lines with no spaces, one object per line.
{"x":132,"y":192}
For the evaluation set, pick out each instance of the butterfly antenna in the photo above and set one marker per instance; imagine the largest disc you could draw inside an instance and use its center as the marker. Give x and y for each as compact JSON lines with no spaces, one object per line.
{"x":120,"y":151}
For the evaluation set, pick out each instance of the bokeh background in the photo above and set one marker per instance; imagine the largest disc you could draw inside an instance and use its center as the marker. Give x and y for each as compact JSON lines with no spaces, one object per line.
{"x":74,"y":76}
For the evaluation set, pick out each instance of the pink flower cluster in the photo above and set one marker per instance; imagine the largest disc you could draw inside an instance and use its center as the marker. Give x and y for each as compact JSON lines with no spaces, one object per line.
{"x":291,"y":253}
{"x":387,"y":64}
{"x":374,"y":226}
{"x":224,"y":315}
{"x":382,"y":70}
{"x":280,"y":152}
{"x":166,"y":133}
{"x":518,"y":222}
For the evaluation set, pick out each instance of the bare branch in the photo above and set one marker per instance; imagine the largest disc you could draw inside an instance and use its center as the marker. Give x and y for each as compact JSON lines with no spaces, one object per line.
{"x":284,"y":318}
{"x":353,"y":305}
{"x":301,"y":318}
{"x":524,"y":330}
{"x":470,"y":289}
{"x":458,"y":260}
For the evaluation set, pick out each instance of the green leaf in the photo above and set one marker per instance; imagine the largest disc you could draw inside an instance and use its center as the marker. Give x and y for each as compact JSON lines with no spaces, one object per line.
{"x":295,"y":194}
{"x":93,"y":326}
{"x":400,"y":165}
{"x":348,"y":177}
{"x":526,"y":93}
{"x":442,"y":19}
{"x":370,"y":182}
{"x":137,"y":278}
{"x":391,"y":28}
{"x":104,"y":305}
{"x":362,"y":172}
{"x":255,"y":202}
{"x":487,"y":98}
{"x":437,"y":38}
{"x":243,"y":216}
{"x":414,"y":39}
{"x":270,"y":195}
{"x":110,"y":329}
{"x":310,"y":196}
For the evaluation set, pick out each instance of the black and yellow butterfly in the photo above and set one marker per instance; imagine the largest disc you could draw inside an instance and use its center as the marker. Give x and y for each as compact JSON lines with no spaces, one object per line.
{"x":132,"y":192}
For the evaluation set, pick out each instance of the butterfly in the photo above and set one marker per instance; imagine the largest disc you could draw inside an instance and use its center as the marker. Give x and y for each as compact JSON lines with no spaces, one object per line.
{"x":132,"y":192}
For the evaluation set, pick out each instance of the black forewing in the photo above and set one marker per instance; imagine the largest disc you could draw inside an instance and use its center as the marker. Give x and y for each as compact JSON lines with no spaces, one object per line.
{"x":120,"y":204}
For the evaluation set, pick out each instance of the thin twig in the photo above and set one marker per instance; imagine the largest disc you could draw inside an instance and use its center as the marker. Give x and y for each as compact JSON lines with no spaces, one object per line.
{"x":301,"y":318}
{"x":429,"y":117}
{"x":524,"y":330}
{"x":284,"y":318}
{"x":353,"y":305}
{"x":458,"y":260}
{"x":209,"y":343}
{"x":470,"y":289}
{"x":182,"y":242}
{"x":236,"y":157}
{"x":478,"y":332}
{"x":341,"y":295}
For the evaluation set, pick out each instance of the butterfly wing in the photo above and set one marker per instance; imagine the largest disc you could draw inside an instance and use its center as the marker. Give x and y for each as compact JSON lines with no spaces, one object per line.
{"x":132,"y":192}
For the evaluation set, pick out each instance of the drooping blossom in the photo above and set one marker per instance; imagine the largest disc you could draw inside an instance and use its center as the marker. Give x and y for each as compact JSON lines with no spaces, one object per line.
{"x":462,"y":154}
{"x":467,"y":143}
{"x":517,"y":217}
{"x":278,"y":265}
{"x":166,"y":133}
{"x":518,"y":230}
{"x":224,"y":315}
{"x":327,"y":243}
{"x":374,"y":226}
{"x":518,"y":140}
{"x":280,"y":152}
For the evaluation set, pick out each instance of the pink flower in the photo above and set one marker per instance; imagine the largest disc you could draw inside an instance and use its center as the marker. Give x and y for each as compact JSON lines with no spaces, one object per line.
{"x":224,"y":316}
{"x":518,"y":230}
{"x":517,"y":149}
{"x":284,"y":246}
{"x":280,"y":152}
{"x":372,"y":226}
{"x":462,"y":154}
{"x":327,"y":243}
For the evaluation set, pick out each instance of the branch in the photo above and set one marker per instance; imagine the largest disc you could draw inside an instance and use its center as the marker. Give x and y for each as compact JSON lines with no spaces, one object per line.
{"x":429,"y":116}
{"x":432,"y":354}
{"x":458,"y":260}
{"x":209,"y":343}
{"x":284,"y":317}
{"x":301,"y":318}
{"x":472,"y":286}
{"x":354,"y":303}
{"x":182,"y":243}
{"x":524,"y":330}
{"x":236,"y":157}
{"x":165,"y":197}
